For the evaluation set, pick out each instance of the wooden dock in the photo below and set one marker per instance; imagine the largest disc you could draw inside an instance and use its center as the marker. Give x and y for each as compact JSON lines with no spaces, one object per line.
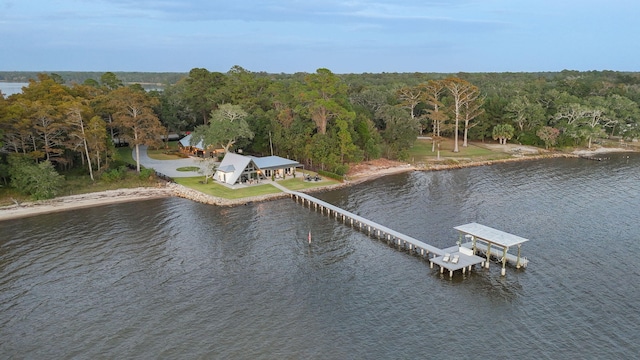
{"x":452,"y":259}
{"x":367,"y":226}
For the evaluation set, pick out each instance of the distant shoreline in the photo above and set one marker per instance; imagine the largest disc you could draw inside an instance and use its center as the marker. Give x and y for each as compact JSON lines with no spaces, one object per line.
{"x":73,"y":202}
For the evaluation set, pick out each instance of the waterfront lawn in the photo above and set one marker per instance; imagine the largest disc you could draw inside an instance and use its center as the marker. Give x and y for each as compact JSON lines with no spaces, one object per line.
{"x":221,"y":191}
{"x":421,"y":152}
{"x":75,"y":185}
{"x":298,"y":183}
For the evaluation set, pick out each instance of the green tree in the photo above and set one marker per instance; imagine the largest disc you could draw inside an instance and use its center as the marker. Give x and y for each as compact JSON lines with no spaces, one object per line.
{"x":524,"y":113}
{"x":325,"y":98}
{"x":110,"y":81}
{"x":371,"y":99}
{"x":203,"y":92}
{"x":226,"y":127}
{"x":41,"y":104}
{"x":348,"y":149}
{"x":368,"y":138}
{"x":41,"y":180}
{"x":625,"y":114}
{"x":174,"y":111}
{"x":400,"y":131}
{"x":208,"y":167}
{"x":502,"y":133}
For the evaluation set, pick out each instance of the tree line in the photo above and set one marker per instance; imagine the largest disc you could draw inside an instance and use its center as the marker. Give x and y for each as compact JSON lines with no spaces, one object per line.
{"x":321,"y":119}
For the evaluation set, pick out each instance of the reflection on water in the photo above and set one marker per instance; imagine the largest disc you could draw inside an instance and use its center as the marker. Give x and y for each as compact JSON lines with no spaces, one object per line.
{"x":169,"y":277}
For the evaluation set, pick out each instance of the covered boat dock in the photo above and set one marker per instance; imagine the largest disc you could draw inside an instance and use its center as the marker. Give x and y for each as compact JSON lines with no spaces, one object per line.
{"x":492,"y":242}
{"x":460,"y":257}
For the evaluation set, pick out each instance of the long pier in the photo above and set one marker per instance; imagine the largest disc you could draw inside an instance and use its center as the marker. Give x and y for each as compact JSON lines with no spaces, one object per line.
{"x":367,"y":226}
{"x":460,"y":257}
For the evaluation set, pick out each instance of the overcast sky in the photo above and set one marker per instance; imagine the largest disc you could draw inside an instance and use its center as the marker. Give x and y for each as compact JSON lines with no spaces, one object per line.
{"x":350,"y":36}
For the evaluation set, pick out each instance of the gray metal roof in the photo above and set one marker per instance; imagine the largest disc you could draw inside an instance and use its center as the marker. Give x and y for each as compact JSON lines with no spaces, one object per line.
{"x":273,"y":162}
{"x":491,"y":235}
{"x":186,"y":141}
{"x":233,"y":161}
{"x":227,"y":168}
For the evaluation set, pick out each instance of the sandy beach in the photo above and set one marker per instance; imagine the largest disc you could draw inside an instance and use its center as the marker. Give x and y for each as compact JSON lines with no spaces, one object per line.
{"x":72,"y":202}
{"x":360,"y":173}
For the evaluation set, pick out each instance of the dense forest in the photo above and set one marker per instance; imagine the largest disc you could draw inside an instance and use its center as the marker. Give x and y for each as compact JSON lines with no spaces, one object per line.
{"x":64,"y":121}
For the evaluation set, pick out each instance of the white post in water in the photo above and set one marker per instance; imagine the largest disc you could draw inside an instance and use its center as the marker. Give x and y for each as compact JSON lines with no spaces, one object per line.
{"x":504,"y":260}
{"x":486,"y":263}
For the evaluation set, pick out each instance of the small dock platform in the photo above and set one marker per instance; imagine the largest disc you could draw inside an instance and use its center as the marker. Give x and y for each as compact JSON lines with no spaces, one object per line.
{"x":456,"y":258}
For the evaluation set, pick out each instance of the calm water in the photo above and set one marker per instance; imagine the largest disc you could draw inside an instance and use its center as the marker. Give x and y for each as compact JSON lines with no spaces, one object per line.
{"x":9,"y":88}
{"x":172,"y":278}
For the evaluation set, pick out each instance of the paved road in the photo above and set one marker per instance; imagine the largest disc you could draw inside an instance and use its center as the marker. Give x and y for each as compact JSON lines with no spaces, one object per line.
{"x":167,"y":167}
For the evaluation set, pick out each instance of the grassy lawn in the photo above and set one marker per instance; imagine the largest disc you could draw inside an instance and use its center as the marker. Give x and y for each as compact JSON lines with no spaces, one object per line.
{"x":224,"y":192}
{"x":165,"y":154}
{"x":75,"y":185}
{"x":125,"y":154}
{"x":421,"y":152}
{"x":298,"y":183}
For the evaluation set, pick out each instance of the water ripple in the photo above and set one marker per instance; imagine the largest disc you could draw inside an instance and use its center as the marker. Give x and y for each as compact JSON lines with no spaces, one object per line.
{"x":172,"y":278}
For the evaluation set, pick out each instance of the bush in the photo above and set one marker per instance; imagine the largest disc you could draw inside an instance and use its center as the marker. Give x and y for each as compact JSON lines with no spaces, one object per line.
{"x":146,"y":174}
{"x":114,"y":175}
{"x":41,"y":180}
{"x":529,"y":138}
{"x":331,"y":175}
{"x":450,"y":162}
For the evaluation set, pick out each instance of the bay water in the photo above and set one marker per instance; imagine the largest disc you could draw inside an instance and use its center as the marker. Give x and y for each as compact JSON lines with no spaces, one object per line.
{"x":171,"y":278}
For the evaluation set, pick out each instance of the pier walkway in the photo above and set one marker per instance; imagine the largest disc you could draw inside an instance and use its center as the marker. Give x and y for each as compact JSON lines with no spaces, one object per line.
{"x":365,"y":225}
{"x":452,"y":259}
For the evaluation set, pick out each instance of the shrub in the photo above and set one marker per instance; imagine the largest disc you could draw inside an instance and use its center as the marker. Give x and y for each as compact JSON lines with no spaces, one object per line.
{"x":331,"y":175}
{"x":450,"y":162}
{"x":113,"y":175}
{"x":146,"y":174}
{"x":41,"y":180}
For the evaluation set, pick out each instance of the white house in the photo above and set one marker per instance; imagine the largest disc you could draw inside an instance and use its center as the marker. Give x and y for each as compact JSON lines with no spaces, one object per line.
{"x":236,"y":168}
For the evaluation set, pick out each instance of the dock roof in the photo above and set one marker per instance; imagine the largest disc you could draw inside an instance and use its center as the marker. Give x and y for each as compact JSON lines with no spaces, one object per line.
{"x":491,"y":235}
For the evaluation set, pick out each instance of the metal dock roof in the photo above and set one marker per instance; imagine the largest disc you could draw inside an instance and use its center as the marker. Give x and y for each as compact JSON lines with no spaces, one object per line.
{"x":491,"y":235}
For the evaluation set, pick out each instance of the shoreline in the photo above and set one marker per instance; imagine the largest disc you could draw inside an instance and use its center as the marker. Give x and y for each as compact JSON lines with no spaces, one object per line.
{"x":73,"y":202}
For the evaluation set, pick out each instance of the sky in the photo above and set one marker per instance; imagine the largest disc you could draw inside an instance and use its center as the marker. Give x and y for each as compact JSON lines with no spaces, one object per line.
{"x":350,"y":36}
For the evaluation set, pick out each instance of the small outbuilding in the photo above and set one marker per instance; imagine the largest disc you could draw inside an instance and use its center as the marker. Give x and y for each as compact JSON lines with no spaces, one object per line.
{"x":198,"y":149}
